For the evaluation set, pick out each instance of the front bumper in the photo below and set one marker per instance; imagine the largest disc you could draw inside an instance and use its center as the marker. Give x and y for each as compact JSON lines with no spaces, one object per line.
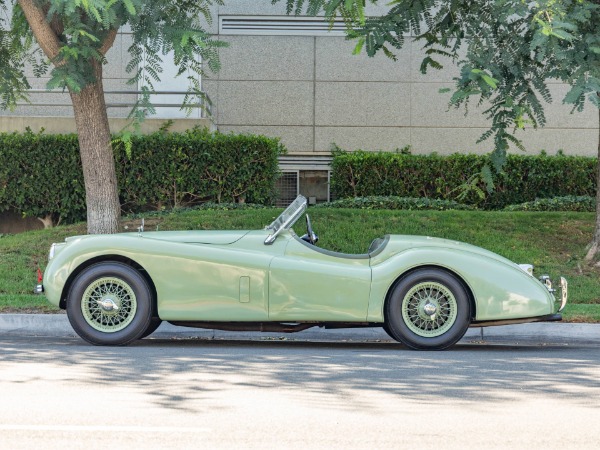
{"x":564,"y":290}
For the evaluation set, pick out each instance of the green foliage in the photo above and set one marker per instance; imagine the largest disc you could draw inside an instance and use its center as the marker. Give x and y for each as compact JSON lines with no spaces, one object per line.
{"x":581,"y":203}
{"x":15,"y":51}
{"x":507,"y":51}
{"x":393,"y":203}
{"x":84,"y":29}
{"x":41,"y":174}
{"x":171,"y":170}
{"x":525,"y":178}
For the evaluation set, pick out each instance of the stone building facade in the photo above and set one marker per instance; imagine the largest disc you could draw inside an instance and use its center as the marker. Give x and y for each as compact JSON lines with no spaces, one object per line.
{"x":290,"y":77}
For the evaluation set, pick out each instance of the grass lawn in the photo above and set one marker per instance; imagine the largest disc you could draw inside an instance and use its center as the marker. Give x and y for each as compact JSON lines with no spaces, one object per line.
{"x":553,"y":242}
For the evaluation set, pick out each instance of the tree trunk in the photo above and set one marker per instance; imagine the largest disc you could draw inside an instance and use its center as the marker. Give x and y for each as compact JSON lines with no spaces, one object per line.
{"x":595,"y":245}
{"x":97,"y":159}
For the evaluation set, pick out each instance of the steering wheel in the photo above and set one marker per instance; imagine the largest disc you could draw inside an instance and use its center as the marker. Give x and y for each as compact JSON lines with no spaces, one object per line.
{"x":312,"y":238}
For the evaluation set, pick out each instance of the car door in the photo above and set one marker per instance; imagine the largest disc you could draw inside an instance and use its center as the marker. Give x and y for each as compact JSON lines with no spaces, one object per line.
{"x":310,"y":284}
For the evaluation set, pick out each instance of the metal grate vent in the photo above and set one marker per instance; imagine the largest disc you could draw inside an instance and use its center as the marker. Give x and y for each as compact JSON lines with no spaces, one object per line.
{"x":278,"y":25}
{"x":287,"y":187}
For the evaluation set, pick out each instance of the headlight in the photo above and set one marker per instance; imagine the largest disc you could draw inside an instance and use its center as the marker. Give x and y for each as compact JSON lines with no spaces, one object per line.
{"x":527,"y":268}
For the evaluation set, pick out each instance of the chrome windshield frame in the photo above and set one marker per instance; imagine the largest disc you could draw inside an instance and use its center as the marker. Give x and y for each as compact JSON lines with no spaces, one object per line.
{"x":286,"y":219}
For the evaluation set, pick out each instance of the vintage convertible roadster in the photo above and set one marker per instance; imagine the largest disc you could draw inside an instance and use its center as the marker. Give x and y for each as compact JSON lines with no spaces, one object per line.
{"x":425,"y":292}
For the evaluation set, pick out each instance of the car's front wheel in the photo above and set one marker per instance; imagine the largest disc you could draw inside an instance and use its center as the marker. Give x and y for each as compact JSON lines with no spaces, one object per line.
{"x":110,"y":303}
{"x":429,"y":309}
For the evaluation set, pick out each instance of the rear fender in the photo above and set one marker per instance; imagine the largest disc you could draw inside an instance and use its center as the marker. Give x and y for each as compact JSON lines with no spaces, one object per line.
{"x":500,"y":290}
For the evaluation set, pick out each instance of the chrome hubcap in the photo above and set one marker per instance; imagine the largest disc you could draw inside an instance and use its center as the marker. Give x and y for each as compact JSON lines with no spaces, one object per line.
{"x":107,"y":304}
{"x":429,"y":309}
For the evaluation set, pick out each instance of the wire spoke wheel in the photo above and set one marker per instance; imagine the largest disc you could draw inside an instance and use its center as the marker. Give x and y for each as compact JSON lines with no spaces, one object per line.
{"x":429,"y":309}
{"x":109,"y":304}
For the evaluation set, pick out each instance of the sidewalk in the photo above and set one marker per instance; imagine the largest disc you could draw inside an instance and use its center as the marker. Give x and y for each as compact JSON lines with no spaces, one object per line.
{"x":57,"y":325}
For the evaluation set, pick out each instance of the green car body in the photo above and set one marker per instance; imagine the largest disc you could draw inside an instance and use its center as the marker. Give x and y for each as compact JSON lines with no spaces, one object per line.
{"x":235,"y":280}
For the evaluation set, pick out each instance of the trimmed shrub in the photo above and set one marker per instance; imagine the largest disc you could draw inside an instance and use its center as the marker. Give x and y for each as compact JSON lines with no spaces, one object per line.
{"x":41,"y":176}
{"x":391,"y":202}
{"x":568,"y":203}
{"x":525,"y":178}
{"x":171,"y":170}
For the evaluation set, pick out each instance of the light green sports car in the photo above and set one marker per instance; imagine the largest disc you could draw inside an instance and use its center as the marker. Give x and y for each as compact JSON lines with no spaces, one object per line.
{"x":425,"y":292}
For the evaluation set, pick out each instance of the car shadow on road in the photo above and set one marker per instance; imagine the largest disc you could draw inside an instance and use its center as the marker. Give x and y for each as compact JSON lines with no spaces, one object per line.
{"x":177,"y":373}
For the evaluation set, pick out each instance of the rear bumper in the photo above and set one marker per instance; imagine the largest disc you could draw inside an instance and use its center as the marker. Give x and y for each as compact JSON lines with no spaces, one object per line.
{"x":564,"y":287}
{"x":39,"y":289}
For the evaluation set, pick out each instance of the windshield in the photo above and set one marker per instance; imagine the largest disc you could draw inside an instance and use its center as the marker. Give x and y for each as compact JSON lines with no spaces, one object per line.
{"x":287,"y":218}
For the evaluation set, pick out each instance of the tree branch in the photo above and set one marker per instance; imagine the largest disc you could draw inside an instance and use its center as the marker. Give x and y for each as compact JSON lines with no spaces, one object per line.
{"x":44,"y":35}
{"x":109,"y":40}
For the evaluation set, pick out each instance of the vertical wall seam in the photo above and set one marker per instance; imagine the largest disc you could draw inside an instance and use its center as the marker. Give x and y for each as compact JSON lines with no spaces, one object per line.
{"x":314,"y":127}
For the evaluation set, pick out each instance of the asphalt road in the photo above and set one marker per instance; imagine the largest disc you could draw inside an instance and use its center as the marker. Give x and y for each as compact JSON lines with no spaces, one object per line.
{"x":184,"y":393}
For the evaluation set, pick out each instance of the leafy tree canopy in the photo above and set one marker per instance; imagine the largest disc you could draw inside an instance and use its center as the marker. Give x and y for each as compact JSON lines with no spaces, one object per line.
{"x":80,"y":31}
{"x":507,"y":51}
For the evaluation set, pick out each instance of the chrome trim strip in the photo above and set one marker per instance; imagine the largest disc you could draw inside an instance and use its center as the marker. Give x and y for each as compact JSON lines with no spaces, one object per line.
{"x":493,"y":323}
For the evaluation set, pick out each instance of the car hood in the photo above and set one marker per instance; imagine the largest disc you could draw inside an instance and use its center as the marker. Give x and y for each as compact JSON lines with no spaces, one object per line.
{"x":216,"y":237}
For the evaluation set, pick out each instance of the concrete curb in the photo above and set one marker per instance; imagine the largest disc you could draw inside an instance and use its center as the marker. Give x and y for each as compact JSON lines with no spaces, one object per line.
{"x":57,"y":325}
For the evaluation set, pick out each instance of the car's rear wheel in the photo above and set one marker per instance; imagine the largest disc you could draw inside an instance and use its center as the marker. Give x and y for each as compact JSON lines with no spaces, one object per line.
{"x":110,"y":303}
{"x":154,"y":324}
{"x":429,"y":309}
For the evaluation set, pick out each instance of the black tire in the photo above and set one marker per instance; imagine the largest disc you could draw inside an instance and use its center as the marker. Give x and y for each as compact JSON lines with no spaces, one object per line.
{"x":154,"y":324}
{"x":387,"y":330}
{"x":414,"y":297}
{"x":126,"y":309}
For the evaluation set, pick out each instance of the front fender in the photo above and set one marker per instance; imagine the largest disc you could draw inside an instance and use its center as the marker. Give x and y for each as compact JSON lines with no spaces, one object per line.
{"x":76,"y":252}
{"x":501,"y":290}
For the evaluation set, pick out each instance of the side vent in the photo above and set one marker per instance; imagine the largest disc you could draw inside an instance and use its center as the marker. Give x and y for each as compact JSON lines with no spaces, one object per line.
{"x":279,"y":25}
{"x":244,"y":289}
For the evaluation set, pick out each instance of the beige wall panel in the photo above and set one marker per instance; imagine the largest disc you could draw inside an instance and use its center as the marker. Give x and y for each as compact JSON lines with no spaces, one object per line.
{"x":267,"y":58}
{"x":296,"y":139}
{"x":452,"y":140}
{"x":335,"y":62}
{"x":265,"y":103}
{"x":446,"y":141}
{"x":362,"y":104}
{"x":67,"y":124}
{"x":211,"y":88}
{"x":417,"y":54}
{"x":558,"y":115}
{"x":572,"y":142}
{"x":429,"y":108}
{"x":117,"y":58}
{"x":363,"y":138}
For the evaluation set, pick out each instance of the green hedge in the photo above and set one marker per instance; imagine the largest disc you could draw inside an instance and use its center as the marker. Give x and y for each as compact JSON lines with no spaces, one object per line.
{"x":40,"y":174}
{"x":525,"y":178}
{"x":582,"y":203}
{"x":392,"y":202}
